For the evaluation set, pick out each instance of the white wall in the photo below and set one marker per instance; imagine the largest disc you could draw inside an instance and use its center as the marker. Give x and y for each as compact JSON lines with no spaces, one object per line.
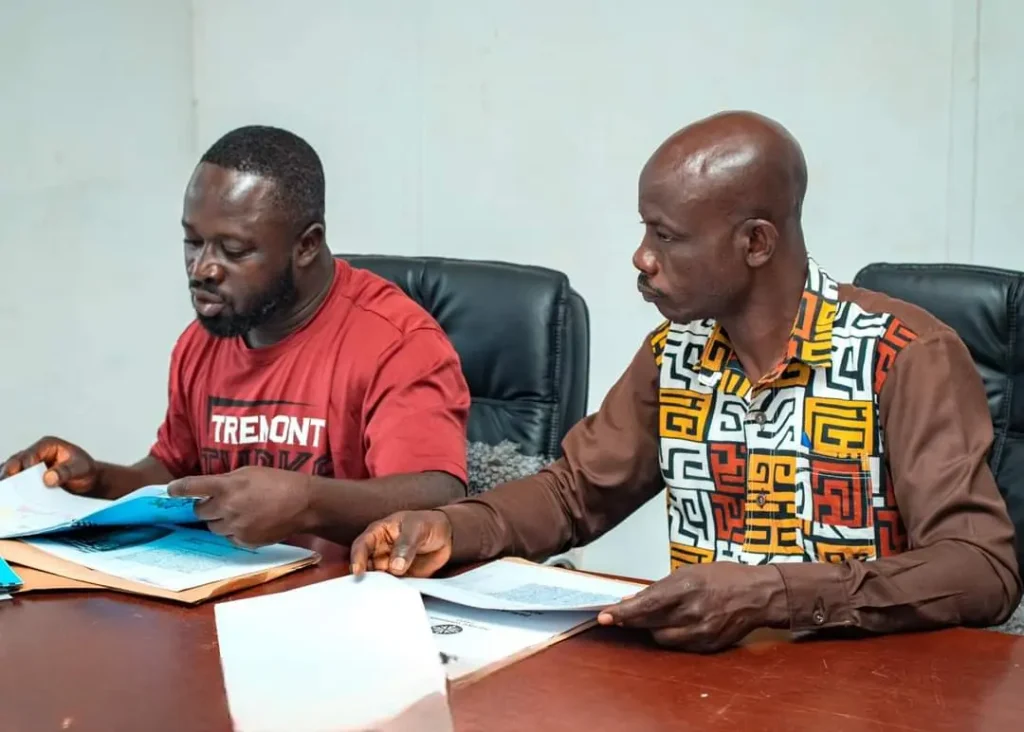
{"x":515,"y":131}
{"x":497,"y":129}
{"x":95,"y":147}
{"x":1000,"y":136}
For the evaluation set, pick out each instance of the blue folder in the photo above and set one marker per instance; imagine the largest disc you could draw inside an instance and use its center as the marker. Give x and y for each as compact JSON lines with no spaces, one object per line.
{"x":9,"y":581}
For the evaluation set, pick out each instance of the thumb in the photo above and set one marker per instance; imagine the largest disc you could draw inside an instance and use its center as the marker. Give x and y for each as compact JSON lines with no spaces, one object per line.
{"x":407,"y":545}
{"x":62,"y":473}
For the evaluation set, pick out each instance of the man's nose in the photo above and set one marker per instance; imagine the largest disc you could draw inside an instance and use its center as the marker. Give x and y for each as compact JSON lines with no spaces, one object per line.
{"x":645,"y":261}
{"x":204,"y":266}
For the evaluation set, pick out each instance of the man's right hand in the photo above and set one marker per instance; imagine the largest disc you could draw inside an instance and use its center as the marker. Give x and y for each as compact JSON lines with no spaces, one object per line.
{"x":69,"y":466}
{"x":413,"y":543}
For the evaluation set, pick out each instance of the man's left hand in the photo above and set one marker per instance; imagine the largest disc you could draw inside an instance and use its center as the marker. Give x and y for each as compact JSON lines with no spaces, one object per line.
{"x":251,"y":506}
{"x":705,"y":607}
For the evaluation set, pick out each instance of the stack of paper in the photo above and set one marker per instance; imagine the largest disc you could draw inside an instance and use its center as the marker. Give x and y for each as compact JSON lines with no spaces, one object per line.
{"x":344,"y":654}
{"x":135,"y":544}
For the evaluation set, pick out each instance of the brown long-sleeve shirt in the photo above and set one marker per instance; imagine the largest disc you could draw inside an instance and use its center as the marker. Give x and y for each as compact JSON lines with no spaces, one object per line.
{"x":839,"y":544}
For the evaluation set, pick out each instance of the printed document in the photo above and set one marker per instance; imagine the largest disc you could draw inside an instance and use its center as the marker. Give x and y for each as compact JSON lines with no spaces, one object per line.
{"x":170,"y":557}
{"x":345,"y":654}
{"x":512,"y":585}
{"x":472,"y":641}
{"x":28,"y":507}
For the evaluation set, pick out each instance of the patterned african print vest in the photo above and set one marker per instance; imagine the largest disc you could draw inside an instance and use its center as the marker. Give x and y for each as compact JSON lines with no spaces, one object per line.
{"x":791,"y":469}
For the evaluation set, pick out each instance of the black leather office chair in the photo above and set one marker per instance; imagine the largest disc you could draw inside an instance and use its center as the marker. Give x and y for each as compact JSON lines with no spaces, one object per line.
{"x":523,"y":335}
{"x":986,"y":308}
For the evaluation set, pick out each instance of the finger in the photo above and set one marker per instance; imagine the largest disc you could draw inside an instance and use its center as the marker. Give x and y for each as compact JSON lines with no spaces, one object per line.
{"x":371,"y":547}
{"x":380,"y":563}
{"x":605,"y":617}
{"x":406,"y":546}
{"x":375,"y":564}
{"x":220,"y":527}
{"x":643,"y":610}
{"x":19,"y":462}
{"x":363,"y":549}
{"x":210,"y":509}
{"x":695,"y":639}
{"x":11,"y":466}
{"x":244,"y":544}
{"x":47,"y":450}
{"x":196,"y":486}
{"x":672,"y":637}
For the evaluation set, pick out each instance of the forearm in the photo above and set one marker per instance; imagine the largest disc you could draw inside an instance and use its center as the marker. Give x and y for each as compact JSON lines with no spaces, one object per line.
{"x":568,"y":504}
{"x":119,"y":480}
{"x":341,"y":509}
{"x":951,"y":582}
{"x":522,"y":518}
{"x":608,"y":470}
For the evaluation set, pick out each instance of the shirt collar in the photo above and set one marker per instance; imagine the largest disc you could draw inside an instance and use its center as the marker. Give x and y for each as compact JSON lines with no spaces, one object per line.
{"x":810,"y":340}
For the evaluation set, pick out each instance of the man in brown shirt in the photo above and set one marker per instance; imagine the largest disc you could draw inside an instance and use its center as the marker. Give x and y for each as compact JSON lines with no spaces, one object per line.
{"x":824,"y":447}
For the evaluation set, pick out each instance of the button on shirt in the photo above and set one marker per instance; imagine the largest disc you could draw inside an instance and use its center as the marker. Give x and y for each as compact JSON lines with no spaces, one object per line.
{"x":857,"y":467}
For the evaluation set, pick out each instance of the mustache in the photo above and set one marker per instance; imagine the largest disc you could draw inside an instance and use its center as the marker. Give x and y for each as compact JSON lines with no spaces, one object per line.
{"x":644,"y":283}
{"x":200,"y":286}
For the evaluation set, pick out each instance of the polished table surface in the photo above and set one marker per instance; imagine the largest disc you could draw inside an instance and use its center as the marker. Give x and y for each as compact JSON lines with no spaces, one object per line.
{"x":105,"y":662}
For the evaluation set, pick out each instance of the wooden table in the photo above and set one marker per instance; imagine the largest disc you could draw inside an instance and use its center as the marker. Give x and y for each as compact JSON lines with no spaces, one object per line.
{"x":104,"y":662}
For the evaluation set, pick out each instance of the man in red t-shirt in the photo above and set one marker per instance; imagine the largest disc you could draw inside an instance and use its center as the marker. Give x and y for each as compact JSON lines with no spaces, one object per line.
{"x":308,"y":396}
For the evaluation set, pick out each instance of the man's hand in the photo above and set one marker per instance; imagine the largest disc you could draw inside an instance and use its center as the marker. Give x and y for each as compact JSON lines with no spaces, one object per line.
{"x":69,"y":466}
{"x":706,"y":607}
{"x":416,"y":543}
{"x":251,"y":506}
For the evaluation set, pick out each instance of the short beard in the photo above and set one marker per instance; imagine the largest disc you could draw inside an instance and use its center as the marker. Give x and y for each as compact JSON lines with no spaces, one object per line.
{"x":281,"y":295}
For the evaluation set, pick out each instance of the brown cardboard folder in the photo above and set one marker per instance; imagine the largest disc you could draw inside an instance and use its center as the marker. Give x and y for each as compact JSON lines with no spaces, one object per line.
{"x":42,"y":571}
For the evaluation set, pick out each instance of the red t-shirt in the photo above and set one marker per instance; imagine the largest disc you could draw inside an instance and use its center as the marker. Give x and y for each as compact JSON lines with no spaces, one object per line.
{"x":369,"y":387}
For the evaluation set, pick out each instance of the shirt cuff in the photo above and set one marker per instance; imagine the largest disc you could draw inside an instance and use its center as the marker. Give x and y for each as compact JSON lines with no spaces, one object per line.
{"x":469,"y":530}
{"x":816,"y":595}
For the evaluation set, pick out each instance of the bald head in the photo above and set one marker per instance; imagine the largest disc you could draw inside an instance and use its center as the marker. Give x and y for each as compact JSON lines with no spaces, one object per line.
{"x":742,"y":163}
{"x":721,"y":201}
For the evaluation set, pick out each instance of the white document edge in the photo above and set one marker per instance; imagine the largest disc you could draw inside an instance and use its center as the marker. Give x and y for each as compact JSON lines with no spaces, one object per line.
{"x":471,"y":588}
{"x":344,"y":654}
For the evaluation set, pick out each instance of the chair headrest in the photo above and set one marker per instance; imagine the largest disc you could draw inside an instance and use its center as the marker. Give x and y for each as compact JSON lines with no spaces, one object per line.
{"x":985,"y":306}
{"x":521,"y":333}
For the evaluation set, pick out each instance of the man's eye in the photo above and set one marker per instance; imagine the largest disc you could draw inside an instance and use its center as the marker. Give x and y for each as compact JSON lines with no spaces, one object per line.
{"x":663,"y":236}
{"x":193,"y":242}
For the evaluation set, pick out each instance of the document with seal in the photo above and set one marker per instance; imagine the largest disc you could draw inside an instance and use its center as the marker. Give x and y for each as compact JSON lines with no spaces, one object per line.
{"x":474,"y":642}
{"x":337,"y":656}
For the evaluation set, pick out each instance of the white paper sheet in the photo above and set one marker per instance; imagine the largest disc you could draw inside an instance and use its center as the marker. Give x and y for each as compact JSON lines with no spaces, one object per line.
{"x":172,"y":557}
{"x":28,"y":507}
{"x":344,"y":654}
{"x":506,"y":585}
{"x":471,"y":639}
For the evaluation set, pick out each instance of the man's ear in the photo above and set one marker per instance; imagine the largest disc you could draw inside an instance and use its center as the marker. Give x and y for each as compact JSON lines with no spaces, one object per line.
{"x":759,"y":238}
{"x":308,"y":245}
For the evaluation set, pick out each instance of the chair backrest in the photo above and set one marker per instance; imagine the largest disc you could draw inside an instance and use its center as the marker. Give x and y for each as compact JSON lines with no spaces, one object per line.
{"x":522,"y":334}
{"x":985,"y":306}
